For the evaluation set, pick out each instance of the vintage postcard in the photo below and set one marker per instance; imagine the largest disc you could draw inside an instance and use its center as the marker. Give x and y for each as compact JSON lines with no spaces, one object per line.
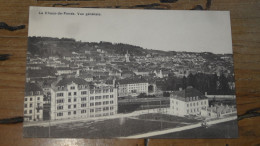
{"x":118,"y":73}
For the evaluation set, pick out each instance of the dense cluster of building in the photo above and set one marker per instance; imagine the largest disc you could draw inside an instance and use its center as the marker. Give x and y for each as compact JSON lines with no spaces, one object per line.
{"x":89,"y":83}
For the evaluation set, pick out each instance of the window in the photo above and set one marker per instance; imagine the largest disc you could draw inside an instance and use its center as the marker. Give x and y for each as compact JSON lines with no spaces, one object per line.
{"x":98,"y":109}
{"x":75,"y":106}
{"x":30,"y":111}
{"x":197,"y":103}
{"x":72,"y":87}
{"x":25,"y":99}
{"x":74,"y":112}
{"x":112,"y":113}
{"x":83,"y":92}
{"x":75,"y":93}
{"x":190,"y":104}
{"x":83,"y":99}
{"x":187,"y":105}
{"x":75,"y":99}
{"x":83,"y":105}
{"x":59,"y":107}
{"x":97,"y":97}
{"x":25,"y":105}
{"x":91,"y":104}
{"x":92,"y":110}
{"x":193,"y":104}
{"x":59,"y":114}
{"x":105,"y":96}
{"x":69,"y":106}
{"x":69,"y":100}
{"x":111,"y":90}
{"x":25,"y":112}
{"x":176,"y":102}
{"x":111,"y":102}
{"x":60,"y":101}
{"x":30,"y":105}
{"x":98,"y":91}
{"x":38,"y":98}
{"x":111,"y":96}
{"x":105,"y":108}
{"x":111,"y":108}
{"x":92,"y":98}
{"x":97,"y":103}
{"x":105,"y":102}
{"x":187,"y":111}
{"x":83,"y":111}
{"x":59,"y":94}
{"x":31,"y":99}
{"x":105,"y":90}
{"x":91,"y":91}
{"x":69,"y":93}
{"x":38,"y":117}
{"x":69,"y":113}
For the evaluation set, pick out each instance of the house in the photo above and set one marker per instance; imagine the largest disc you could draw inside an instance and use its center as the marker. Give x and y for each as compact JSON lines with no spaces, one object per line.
{"x":187,"y":102}
{"x":218,"y":111}
{"x":132,"y":87}
{"x":33,"y":102}
{"x":76,"y":98}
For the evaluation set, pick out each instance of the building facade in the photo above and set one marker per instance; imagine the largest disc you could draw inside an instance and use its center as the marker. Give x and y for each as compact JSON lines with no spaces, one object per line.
{"x":187,"y":102}
{"x":33,"y":103}
{"x":76,"y":98}
{"x":132,"y":87}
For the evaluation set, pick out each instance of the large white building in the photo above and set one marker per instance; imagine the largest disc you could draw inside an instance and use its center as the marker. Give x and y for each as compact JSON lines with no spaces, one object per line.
{"x":33,"y":102}
{"x":187,"y":102}
{"x":75,"y":98}
{"x":132,"y":87}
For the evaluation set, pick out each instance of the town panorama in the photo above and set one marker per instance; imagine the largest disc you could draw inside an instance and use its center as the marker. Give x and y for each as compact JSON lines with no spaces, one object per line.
{"x":70,"y":81}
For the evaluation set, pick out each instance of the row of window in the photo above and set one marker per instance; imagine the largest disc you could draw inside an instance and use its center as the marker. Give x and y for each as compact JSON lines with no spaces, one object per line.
{"x":30,"y":117}
{"x":190,"y":104}
{"x":83,"y":105}
{"x":194,"y":104}
{"x":100,"y":91}
{"x":100,"y":103}
{"x":31,"y":105}
{"x":30,"y":111}
{"x":70,"y":93}
{"x":85,"y":111}
{"x":100,"y":97}
{"x":193,"y":110}
{"x":104,"y":114}
{"x":30,"y":99}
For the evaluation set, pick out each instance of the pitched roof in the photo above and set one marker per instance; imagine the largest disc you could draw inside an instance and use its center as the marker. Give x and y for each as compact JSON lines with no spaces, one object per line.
{"x":31,"y":87}
{"x":67,"y":81}
{"x":185,"y":94}
{"x":131,"y":81}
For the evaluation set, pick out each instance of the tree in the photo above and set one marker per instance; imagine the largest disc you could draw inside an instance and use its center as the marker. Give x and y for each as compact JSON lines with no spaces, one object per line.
{"x":142,"y":95}
{"x":166,"y":94}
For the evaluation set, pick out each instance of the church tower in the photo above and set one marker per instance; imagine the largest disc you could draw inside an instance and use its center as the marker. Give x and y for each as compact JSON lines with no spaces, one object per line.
{"x":127,"y":56}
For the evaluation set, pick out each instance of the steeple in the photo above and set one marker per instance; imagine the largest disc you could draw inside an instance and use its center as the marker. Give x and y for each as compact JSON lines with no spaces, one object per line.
{"x":127,"y":56}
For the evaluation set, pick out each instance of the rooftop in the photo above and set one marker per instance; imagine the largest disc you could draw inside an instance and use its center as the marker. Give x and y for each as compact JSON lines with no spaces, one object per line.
{"x":67,"y":81}
{"x":186,"y":94}
{"x":31,"y":87}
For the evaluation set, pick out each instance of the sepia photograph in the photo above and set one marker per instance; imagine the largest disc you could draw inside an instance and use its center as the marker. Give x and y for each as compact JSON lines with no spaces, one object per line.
{"x":125,"y":73}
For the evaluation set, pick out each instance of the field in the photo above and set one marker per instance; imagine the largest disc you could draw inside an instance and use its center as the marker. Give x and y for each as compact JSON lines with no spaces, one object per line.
{"x":111,"y":128}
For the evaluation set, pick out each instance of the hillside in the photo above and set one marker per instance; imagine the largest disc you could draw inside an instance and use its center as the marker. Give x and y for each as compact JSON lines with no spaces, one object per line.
{"x":46,"y":46}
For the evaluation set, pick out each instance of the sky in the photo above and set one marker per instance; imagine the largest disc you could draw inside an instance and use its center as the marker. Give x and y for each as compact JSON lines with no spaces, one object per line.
{"x":168,"y":30}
